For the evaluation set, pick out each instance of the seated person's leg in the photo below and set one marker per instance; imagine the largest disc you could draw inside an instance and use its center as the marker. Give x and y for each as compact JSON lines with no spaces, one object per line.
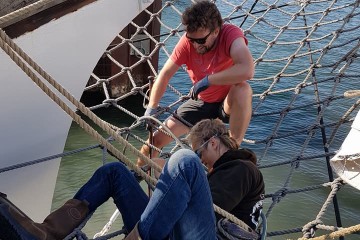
{"x":111,"y":180}
{"x":57,"y":225}
{"x":116,"y":181}
{"x":181,"y":204}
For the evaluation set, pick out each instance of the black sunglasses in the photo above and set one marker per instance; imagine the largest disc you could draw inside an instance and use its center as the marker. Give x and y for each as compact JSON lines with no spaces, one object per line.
{"x":198,"y":151}
{"x":199,"y":40}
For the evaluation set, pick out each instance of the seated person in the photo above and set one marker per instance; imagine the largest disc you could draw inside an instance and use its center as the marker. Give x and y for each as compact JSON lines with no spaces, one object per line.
{"x":181,"y":205}
{"x":236,"y":183}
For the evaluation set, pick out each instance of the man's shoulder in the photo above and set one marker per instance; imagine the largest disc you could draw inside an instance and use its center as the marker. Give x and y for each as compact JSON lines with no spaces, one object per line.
{"x":228,"y":27}
{"x":230,"y":32}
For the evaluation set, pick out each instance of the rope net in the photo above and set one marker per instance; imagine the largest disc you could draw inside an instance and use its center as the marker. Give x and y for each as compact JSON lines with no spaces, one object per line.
{"x":306,"y":93}
{"x":305,"y":55}
{"x":306,"y":61}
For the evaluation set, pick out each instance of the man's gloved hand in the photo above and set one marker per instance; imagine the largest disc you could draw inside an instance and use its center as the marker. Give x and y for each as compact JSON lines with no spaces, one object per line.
{"x":150,"y":111}
{"x":198,"y":87}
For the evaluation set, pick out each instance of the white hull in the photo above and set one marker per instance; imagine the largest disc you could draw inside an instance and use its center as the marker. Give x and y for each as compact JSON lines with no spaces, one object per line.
{"x":32,"y":126}
{"x":349,"y":168}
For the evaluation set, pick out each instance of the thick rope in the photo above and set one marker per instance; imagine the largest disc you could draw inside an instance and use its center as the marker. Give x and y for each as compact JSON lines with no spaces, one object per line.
{"x":25,"y":11}
{"x":338,"y":233}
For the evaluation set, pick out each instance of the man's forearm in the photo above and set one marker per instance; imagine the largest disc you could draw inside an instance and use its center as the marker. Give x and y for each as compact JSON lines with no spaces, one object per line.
{"x":161,"y":82}
{"x":233,"y":75}
{"x":156,"y":94}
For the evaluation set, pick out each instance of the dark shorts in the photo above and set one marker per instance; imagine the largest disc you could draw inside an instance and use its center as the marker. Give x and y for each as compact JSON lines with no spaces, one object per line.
{"x":193,"y":111}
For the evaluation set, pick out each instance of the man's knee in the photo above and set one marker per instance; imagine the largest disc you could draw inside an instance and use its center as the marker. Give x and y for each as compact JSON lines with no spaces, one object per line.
{"x":242,"y":89}
{"x":240,"y":95}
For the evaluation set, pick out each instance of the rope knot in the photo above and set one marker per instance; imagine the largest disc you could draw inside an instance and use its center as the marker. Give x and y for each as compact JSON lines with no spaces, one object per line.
{"x":279,"y":194}
{"x":247,"y":31}
{"x":258,"y":60}
{"x":154,"y":15}
{"x":336,"y":184}
{"x":296,"y":162}
{"x":160,"y":44}
{"x":173,"y":31}
{"x":124,"y":130}
{"x":126,"y":69}
{"x":109,"y":101}
{"x":142,"y":29}
{"x":310,"y":228}
{"x":258,"y":20}
{"x":285,"y":111}
{"x":238,"y":7}
{"x":145,"y":58}
{"x":270,"y":44}
{"x":273,"y":6}
{"x":226,"y":19}
{"x":136,"y":90}
{"x":101,"y":81}
{"x":128,"y":41}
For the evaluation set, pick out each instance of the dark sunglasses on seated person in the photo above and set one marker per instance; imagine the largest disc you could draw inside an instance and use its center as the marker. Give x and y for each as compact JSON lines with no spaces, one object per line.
{"x":199,"y":40}
{"x":198,"y":151}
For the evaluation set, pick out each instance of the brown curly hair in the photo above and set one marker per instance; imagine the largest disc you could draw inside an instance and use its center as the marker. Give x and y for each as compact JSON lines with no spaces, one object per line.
{"x":207,"y":128}
{"x":202,"y":14}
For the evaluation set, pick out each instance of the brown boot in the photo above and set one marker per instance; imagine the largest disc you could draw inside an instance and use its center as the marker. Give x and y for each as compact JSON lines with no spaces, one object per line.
{"x":134,"y":234}
{"x":56,"y":226}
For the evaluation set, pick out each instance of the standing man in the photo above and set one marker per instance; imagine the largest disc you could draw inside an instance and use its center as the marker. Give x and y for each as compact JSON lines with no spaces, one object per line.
{"x":219,"y":64}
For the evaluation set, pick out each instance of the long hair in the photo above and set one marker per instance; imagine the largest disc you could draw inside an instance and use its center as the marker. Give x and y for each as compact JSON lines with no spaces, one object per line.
{"x":207,"y":128}
{"x":202,"y":14}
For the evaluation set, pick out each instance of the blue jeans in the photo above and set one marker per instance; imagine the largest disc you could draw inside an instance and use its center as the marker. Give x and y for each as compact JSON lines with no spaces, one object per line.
{"x":180,"y":206}
{"x":116,"y":181}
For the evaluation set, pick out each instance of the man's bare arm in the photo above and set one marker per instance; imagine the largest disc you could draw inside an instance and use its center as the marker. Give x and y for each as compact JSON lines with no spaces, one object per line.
{"x":242,"y":70}
{"x":159,"y":87}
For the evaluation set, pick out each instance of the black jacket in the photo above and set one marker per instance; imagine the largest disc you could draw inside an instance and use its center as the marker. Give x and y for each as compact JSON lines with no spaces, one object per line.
{"x":237,"y":185}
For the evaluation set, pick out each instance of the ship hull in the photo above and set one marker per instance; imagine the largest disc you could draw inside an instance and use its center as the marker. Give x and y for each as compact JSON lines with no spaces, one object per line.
{"x":33,"y":126}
